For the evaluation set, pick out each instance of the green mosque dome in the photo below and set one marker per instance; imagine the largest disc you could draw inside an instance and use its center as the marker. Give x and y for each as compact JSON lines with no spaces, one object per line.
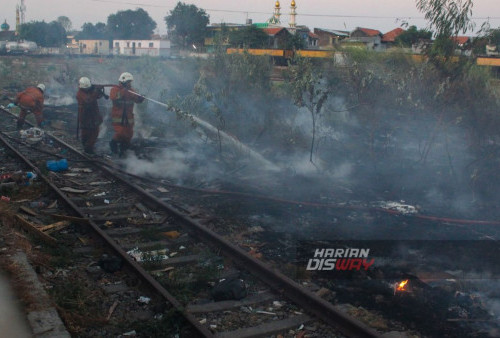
{"x":5,"y":26}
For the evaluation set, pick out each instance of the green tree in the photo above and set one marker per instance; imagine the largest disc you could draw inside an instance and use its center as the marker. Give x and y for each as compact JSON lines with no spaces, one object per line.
{"x":294,"y":41}
{"x":494,"y":36}
{"x":131,"y":24}
{"x":447,"y":17}
{"x":309,"y":90}
{"x":65,"y":22}
{"x":412,"y":35}
{"x":248,"y":37}
{"x":44,"y":34}
{"x":187,"y":24}
{"x":95,"y":32}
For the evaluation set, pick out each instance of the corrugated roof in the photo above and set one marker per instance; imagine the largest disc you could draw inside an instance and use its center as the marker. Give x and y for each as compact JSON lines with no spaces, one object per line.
{"x":334,"y":31}
{"x":460,"y":40}
{"x":273,"y":31}
{"x":392,"y":35}
{"x":369,"y":31}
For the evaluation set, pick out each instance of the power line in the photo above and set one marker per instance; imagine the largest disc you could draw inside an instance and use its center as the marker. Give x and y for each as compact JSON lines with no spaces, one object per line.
{"x":303,"y":14}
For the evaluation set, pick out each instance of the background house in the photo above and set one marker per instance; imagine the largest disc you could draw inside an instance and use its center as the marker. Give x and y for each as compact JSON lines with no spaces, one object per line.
{"x":278,"y":36}
{"x":142,"y":47}
{"x":94,"y":47}
{"x":371,"y":38}
{"x":389,"y":38}
{"x":329,"y":38}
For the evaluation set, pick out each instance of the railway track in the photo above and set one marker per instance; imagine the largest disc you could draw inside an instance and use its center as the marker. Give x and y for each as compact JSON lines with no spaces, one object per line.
{"x":174,"y":254}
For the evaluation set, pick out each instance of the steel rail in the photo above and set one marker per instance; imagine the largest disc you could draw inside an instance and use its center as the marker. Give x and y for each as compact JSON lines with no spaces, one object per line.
{"x":132,"y":263}
{"x":276,"y":280}
{"x":279,"y":282}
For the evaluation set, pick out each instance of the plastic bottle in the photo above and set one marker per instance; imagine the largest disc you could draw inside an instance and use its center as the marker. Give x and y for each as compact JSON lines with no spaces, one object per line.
{"x":37,"y":204}
{"x":30,"y":176}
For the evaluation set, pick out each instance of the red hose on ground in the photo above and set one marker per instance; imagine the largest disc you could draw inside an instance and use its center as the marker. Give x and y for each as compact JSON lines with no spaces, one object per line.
{"x":324,"y":205}
{"x":335,"y":206}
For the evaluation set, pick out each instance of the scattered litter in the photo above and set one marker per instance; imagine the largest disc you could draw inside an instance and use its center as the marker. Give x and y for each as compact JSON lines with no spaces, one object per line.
{"x":168,"y":268}
{"x":32,"y":135}
{"x":81,"y":170}
{"x":160,"y":189}
{"x":130,"y":333}
{"x":106,"y":201}
{"x":100,"y":194}
{"x":111,"y":310}
{"x":60,"y":165}
{"x":266,"y":313}
{"x":83,"y":240}
{"x":203,"y":321}
{"x":246,"y":309}
{"x":172,"y":234}
{"x":73,"y":190}
{"x":99,"y":183}
{"x":277,"y":304}
{"x":140,"y":256}
{"x":182,"y":247}
{"x":136,"y":254}
{"x":254,"y":253}
{"x":39,"y":204}
{"x":256,"y":229}
{"x":144,"y":300}
{"x":301,"y":327}
{"x":108,"y":223}
{"x":213,"y":326}
{"x":5,"y":198}
{"x":172,"y":254}
{"x":404,"y":209}
{"x":52,"y":205}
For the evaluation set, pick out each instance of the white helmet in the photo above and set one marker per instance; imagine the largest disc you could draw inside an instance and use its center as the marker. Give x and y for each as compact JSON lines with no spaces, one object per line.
{"x":84,"y":83}
{"x":125,"y":77}
{"x":41,"y":86}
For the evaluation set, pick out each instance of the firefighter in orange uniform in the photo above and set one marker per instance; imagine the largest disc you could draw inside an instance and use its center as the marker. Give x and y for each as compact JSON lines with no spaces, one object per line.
{"x":31,"y":100}
{"x":89,"y":117}
{"x":122,"y":113}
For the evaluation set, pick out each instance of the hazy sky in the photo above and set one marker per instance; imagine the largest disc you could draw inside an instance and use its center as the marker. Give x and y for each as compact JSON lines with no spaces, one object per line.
{"x":383,"y":15}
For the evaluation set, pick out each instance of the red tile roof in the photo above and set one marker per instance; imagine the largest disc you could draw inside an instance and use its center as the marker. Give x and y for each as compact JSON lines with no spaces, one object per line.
{"x":273,"y":31}
{"x":460,"y":40}
{"x":370,"y":32}
{"x":312,"y":35}
{"x":392,"y":35}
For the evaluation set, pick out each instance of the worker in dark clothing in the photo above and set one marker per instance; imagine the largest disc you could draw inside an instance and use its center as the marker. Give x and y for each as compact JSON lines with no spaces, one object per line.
{"x":89,"y":117}
{"x":122,"y":113}
{"x":31,"y":100}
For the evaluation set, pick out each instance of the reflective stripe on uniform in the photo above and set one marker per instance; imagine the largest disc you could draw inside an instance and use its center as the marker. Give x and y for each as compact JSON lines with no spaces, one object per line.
{"x":118,"y":120}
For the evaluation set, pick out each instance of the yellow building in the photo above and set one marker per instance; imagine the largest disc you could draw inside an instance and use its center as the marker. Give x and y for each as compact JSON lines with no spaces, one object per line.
{"x":94,"y":47}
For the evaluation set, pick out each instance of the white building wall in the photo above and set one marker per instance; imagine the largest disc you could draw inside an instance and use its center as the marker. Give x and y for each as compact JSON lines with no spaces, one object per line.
{"x":141,"y":47}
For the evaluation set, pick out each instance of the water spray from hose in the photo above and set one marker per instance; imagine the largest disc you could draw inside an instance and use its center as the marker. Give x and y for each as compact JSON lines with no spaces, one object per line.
{"x":208,"y":127}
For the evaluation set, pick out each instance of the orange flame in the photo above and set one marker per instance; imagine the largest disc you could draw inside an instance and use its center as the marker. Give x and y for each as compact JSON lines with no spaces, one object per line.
{"x":402,"y":285}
